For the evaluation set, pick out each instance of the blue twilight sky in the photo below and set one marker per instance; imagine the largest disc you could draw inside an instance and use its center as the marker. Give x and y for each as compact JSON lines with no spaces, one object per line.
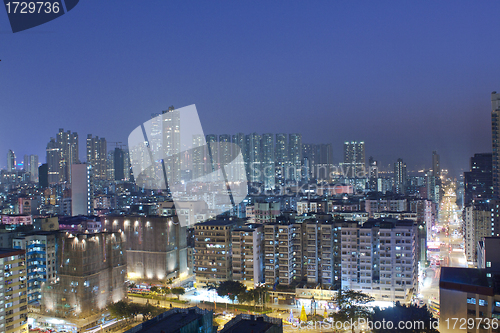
{"x":406,"y":77}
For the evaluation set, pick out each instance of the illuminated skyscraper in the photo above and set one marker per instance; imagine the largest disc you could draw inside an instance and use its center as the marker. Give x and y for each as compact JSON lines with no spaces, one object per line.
{"x":198,"y":156}
{"x":66,"y":144}
{"x":31,"y":165}
{"x":354,"y":159}
{"x":212,"y":161}
{"x":171,"y":133}
{"x":11,"y":161}
{"x":295,"y":153}
{"x":281,"y":155}
{"x":253,"y":144}
{"x":400,"y":177}
{"x":53,"y":157}
{"x":97,"y":156}
{"x":224,"y":149}
{"x":238,"y":146}
{"x":268,"y":161}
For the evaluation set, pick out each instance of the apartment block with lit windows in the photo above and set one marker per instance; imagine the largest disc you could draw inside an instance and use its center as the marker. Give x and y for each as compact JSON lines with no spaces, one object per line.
{"x":380,"y":258}
{"x":213,"y":260}
{"x":13,"y":286}
{"x":248,"y":254}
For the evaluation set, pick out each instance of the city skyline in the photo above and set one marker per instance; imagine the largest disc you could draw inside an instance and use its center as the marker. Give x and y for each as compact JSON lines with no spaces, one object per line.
{"x":407,"y":79}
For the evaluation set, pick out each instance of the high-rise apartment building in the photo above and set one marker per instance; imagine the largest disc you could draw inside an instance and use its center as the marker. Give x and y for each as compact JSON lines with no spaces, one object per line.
{"x":477,"y":224}
{"x":400,"y":177}
{"x":322,"y":248}
{"x":68,"y":153}
{"x":324,"y":162}
{"x":268,"y":161}
{"x":11,"y":161}
{"x":309,"y":159}
{"x":13,"y":306}
{"x":31,"y":165}
{"x":213,"y":257}
{"x":62,"y":152}
{"x":41,"y":260}
{"x":171,"y":139}
{"x":478,"y":182}
{"x":253,"y":145}
{"x":373,"y":173}
{"x":380,"y":258}
{"x":82,"y":191}
{"x":295,"y":156}
{"x":436,"y":164}
{"x":282,"y":160}
{"x":225,"y":153}
{"x":53,"y":156}
{"x":248,"y":254}
{"x":97,"y":156}
{"x":354,"y":159}
{"x":238,"y":141}
{"x":198,"y":156}
{"x":119,"y":164}
{"x":212,"y":156}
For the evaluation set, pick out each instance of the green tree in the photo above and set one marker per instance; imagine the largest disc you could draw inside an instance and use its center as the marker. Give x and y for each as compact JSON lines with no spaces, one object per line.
{"x":149,"y":311}
{"x":119,"y":309}
{"x":178,"y":291}
{"x":134,"y":309}
{"x":352,"y":305}
{"x":231,"y":289}
{"x":403,"y":313}
{"x":154,"y":289}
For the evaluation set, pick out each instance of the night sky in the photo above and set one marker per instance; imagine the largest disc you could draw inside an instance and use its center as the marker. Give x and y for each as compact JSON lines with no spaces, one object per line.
{"x":405,"y":77}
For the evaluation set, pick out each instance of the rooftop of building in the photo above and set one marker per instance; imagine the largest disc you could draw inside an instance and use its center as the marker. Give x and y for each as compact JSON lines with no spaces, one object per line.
{"x":250,"y":324}
{"x":248,"y":227}
{"x":7,"y":252}
{"x":464,"y":276}
{"x":78,"y":219}
{"x":37,"y":233}
{"x":387,"y":223}
{"x":219,"y":222}
{"x":171,"y":321}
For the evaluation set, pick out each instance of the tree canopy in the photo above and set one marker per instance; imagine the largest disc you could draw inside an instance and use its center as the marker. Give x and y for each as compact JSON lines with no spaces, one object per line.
{"x":123,"y":309}
{"x":352,"y":305}
{"x":178,"y":291}
{"x":232,"y":289}
{"x":405,"y":313}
